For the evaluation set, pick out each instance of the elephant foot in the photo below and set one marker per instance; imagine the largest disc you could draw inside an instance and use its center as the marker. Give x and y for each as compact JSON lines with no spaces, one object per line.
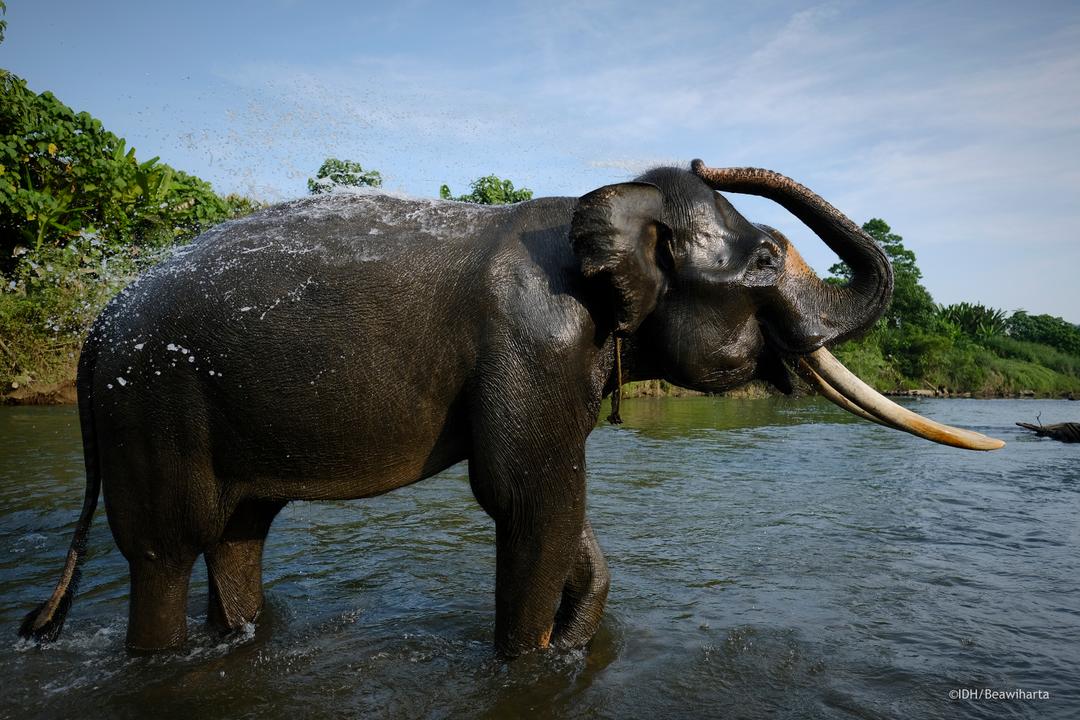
{"x":545,"y":639}
{"x":232,"y":605}
{"x":584,"y":595}
{"x":157,"y":613}
{"x":581,"y":606}
{"x":234,"y":567}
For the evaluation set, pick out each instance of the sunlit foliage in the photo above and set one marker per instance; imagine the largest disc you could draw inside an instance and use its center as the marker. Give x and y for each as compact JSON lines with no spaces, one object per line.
{"x":334,"y":174}
{"x":80,"y":215}
{"x":489,"y":190}
{"x":975,"y":320}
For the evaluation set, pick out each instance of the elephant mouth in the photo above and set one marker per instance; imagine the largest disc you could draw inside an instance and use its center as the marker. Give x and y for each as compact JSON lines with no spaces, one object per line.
{"x":842,"y":387}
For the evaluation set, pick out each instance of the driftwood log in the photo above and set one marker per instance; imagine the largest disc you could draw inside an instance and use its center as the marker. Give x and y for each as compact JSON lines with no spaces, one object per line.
{"x":1065,"y":432}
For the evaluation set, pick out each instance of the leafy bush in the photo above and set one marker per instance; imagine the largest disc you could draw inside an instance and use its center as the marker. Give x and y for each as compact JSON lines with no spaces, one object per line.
{"x":489,"y":190}
{"x":963,"y":347}
{"x":974,"y":320}
{"x":53,"y":296}
{"x":62,"y":173}
{"x":1011,"y":376}
{"x":1037,"y":353}
{"x":80,"y":216}
{"x":334,"y":173}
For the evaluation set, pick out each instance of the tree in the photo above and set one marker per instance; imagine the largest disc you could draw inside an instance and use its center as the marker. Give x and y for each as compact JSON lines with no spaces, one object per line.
{"x":62,"y":173}
{"x":961,"y":346}
{"x":911,"y":302}
{"x":975,"y":320}
{"x":489,"y":190}
{"x":336,"y":173}
{"x":1046,"y":329}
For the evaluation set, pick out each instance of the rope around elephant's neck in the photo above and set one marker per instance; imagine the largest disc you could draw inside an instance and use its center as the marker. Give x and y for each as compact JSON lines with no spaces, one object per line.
{"x":616,"y":394}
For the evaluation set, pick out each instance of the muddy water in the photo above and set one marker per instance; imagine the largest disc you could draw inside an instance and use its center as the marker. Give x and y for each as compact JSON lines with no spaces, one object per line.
{"x":769,"y":559}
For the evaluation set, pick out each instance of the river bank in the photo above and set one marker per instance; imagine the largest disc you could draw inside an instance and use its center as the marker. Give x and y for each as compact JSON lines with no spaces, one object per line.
{"x":64,"y":393}
{"x":61,"y":393}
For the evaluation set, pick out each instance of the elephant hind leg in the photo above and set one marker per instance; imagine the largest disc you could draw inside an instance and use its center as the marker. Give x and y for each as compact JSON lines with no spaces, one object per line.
{"x":584,"y":595}
{"x":157,"y":611}
{"x":234,"y":565}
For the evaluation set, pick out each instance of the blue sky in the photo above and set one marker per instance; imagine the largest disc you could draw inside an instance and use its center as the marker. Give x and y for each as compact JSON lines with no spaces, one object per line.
{"x":958,"y":123}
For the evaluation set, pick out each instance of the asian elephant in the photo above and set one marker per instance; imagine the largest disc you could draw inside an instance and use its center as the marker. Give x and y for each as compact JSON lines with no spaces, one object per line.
{"x":341,"y":346}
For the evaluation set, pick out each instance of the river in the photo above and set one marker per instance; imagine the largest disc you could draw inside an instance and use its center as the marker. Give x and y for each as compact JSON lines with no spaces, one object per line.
{"x":769,"y":558}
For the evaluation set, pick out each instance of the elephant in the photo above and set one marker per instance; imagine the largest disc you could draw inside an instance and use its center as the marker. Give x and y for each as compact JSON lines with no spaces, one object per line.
{"x":342,"y":346}
{"x":1065,"y":432}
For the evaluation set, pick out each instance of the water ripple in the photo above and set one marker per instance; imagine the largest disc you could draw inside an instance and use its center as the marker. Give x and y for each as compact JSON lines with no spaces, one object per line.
{"x":769,"y":559}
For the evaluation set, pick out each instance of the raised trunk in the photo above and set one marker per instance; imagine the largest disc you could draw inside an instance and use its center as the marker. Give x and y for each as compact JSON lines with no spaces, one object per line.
{"x":824,"y":313}
{"x":816,"y":313}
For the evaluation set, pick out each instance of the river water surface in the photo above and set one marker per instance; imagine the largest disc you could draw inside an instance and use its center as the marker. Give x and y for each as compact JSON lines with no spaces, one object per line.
{"x":769,"y":558}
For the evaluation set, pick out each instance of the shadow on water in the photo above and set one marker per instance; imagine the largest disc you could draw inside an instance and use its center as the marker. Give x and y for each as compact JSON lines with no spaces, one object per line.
{"x":770,"y":558}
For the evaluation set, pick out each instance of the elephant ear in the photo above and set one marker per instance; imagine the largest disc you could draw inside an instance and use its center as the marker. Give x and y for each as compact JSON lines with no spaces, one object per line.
{"x":614,"y":233}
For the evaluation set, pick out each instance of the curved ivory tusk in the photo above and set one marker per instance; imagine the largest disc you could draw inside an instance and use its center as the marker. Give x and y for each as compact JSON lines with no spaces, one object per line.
{"x":829,"y":393}
{"x":854,"y":391}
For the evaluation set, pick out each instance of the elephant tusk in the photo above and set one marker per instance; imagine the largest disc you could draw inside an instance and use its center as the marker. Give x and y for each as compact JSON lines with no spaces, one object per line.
{"x":828,"y":392}
{"x":855,"y":396}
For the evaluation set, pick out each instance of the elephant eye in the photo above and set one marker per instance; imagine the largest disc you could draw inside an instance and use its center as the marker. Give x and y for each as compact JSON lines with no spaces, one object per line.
{"x":764,"y":260}
{"x":766,"y":256}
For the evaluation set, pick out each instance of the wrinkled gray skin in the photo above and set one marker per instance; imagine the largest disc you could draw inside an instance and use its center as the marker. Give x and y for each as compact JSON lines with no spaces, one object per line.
{"x":343,"y":346}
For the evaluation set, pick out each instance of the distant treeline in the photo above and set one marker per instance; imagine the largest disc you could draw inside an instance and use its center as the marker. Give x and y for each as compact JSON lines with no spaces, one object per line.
{"x":80,"y":216}
{"x":961,"y":348}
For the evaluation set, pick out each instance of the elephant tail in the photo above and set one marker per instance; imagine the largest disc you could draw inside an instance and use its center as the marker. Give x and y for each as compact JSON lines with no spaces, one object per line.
{"x":44,"y":623}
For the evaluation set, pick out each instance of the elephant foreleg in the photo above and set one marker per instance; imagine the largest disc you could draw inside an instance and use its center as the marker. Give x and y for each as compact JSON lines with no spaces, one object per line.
{"x":537,"y":500}
{"x":527,"y":470}
{"x":530,"y":572}
{"x":584,"y":595}
{"x":234,"y":566}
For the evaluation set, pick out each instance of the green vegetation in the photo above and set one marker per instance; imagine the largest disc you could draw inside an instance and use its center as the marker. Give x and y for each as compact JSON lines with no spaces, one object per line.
{"x":489,"y":190}
{"x":80,"y":216}
{"x":962,"y":348}
{"x":1045,"y":329}
{"x":976,"y":321}
{"x":334,"y":174}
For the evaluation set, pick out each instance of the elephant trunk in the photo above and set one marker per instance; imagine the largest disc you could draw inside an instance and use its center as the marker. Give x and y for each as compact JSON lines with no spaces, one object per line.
{"x":817,"y":313}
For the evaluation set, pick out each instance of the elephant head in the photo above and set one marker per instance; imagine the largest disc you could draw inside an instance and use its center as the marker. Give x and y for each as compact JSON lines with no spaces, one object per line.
{"x":708,"y":300}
